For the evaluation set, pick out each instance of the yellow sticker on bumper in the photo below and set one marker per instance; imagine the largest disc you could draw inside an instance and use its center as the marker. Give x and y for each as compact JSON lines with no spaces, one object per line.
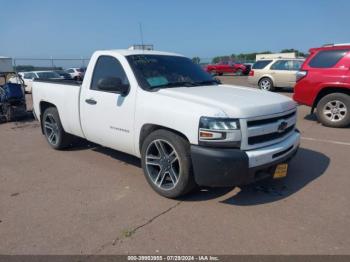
{"x":281,"y":171}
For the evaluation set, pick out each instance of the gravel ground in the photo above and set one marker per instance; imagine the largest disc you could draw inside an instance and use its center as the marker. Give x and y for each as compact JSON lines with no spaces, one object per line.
{"x":93,"y":200}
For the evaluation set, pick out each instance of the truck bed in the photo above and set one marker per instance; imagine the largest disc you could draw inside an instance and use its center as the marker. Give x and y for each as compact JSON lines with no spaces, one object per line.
{"x":59,"y":81}
{"x":64,"y":94}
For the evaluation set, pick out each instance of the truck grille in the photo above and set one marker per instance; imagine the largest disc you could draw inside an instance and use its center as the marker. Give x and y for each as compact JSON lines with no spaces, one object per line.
{"x":263,"y":138}
{"x":269,"y":120}
{"x":264,"y":131}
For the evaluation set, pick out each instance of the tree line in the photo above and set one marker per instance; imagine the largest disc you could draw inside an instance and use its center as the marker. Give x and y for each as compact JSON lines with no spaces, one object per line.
{"x":246,"y":57}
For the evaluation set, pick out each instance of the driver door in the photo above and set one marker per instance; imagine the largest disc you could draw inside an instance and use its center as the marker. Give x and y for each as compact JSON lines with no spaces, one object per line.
{"x":107,"y":118}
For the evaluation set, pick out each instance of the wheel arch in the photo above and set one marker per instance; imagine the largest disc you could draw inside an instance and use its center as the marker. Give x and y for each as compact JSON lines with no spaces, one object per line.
{"x":326,"y":91}
{"x":147,"y":129}
{"x":43,"y":106}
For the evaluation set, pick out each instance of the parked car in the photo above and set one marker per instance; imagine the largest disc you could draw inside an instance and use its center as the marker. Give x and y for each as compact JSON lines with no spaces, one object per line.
{"x":323,"y":83}
{"x":28,"y":77}
{"x":227,"y":67}
{"x":63,"y":74}
{"x":269,"y":74}
{"x":187,"y":129}
{"x":76,"y":73}
{"x":248,"y":68}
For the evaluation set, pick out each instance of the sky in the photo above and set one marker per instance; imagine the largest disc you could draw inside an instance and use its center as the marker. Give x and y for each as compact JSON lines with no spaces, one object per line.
{"x":74,"y":29}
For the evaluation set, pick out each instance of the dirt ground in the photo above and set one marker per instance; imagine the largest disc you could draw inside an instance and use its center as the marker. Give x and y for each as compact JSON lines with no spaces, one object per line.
{"x":93,"y":200}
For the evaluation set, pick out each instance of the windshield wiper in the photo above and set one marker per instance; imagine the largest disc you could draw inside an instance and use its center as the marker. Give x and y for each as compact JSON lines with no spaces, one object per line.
{"x":207,"y":82}
{"x":177,"y":84}
{"x":188,"y":84}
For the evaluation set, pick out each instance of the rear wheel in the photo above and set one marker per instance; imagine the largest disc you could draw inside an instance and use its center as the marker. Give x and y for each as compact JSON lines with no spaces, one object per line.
{"x":10,"y":114}
{"x":53,"y":130}
{"x":167,"y":164}
{"x":333,"y":110}
{"x":266,"y":84}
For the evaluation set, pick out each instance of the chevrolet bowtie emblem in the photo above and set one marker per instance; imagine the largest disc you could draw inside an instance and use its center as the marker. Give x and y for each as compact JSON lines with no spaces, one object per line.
{"x":282,"y":126}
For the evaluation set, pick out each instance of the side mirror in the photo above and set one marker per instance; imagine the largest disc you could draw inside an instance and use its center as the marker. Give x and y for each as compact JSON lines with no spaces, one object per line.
{"x":113,"y":84}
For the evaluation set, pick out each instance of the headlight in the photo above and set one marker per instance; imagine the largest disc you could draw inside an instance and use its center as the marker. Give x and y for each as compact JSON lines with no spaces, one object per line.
{"x":219,"y":132}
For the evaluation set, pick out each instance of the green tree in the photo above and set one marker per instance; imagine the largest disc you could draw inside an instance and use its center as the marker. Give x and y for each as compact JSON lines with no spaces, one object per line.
{"x":292,"y":50}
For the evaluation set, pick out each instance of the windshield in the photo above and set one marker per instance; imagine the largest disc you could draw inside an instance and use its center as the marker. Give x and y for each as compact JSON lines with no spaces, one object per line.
{"x":48,"y":75}
{"x":160,"y":71}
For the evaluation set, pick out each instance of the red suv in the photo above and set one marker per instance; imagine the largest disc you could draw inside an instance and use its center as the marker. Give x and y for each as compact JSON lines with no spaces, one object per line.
{"x":323,"y":82}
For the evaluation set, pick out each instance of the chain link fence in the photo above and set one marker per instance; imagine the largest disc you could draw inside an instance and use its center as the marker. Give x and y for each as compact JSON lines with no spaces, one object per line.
{"x":32,"y":64}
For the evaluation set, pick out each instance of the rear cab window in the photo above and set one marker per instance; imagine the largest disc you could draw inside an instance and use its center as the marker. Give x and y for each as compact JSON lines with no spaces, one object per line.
{"x":327,"y":58}
{"x":261,"y":64}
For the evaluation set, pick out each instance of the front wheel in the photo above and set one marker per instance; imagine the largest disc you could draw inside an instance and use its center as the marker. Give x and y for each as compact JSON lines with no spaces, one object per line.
{"x":333,"y":110}
{"x":167,"y":164}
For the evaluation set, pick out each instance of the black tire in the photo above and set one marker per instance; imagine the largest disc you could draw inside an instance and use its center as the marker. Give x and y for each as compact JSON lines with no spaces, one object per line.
{"x":10,"y":114}
{"x":266,"y":84}
{"x":341,"y":115}
{"x":221,"y":73}
{"x":185,"y":182}
{"x":63,"y":139}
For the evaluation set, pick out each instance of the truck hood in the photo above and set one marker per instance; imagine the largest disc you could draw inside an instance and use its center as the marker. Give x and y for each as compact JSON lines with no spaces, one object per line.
{"x":234,"y":101}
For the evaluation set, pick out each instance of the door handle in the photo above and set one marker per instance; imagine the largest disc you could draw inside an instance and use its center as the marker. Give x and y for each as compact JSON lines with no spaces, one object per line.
{"x":91,"y":101}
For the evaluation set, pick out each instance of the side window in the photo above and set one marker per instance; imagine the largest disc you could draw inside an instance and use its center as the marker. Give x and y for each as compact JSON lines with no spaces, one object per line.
{"x":70,"y":71}
{"x":280,"y":65}
{"x":107,"y":66}
{"x":261,"y":64}
{"x":297,"y":65}
{"x":29,"y":76}
{"x":327,"y":59}
{"x":26,"y":76}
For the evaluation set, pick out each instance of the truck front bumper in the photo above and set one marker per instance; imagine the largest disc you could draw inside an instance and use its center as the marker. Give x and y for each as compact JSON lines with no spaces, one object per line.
{"x":218,"y":167}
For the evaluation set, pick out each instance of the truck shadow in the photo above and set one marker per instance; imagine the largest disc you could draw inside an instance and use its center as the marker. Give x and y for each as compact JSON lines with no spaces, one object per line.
{"x":307,"y":166}
{"x":120,"y":156}
{"x":82,"y":144}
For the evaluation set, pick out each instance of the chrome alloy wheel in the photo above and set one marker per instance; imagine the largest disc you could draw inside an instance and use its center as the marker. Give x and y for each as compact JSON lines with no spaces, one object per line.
{"x":265,"y":85}
{"x":335,"y":110}
{"x":51,"y":129}
{"x":162,"y":164}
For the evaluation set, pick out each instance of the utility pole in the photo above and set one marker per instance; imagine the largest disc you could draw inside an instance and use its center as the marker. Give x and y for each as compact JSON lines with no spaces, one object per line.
{"x":141,"y":35}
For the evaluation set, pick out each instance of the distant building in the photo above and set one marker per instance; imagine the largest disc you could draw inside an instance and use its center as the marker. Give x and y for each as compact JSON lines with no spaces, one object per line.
{"x":141,"y":47}
{"x":5,"y":64}
{"x":276,"y":55}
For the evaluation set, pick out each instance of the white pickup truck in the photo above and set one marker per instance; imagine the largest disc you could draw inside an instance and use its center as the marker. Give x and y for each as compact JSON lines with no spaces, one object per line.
{"x":188,"y":129}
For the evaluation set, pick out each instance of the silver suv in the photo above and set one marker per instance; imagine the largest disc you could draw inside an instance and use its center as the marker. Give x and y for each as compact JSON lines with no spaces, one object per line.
{"x":271,"y":73}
